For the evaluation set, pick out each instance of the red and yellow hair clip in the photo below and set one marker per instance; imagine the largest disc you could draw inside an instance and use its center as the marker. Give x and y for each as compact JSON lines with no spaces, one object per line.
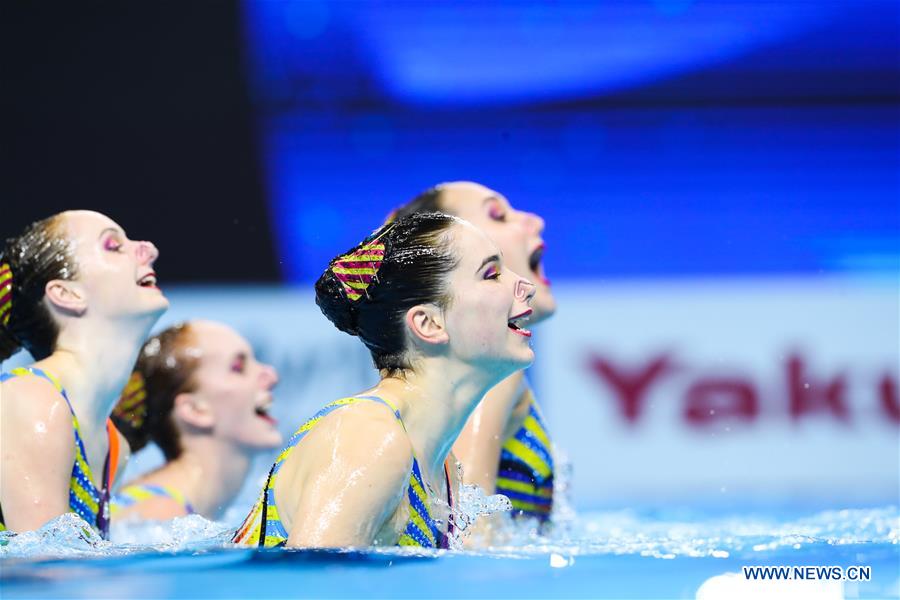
{"x":132,"y":407}
{"x":6,"y":285}
{"x":359,"y":269}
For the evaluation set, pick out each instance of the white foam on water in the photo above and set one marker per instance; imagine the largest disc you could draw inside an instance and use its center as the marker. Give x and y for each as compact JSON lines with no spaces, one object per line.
{"x":623,"y":532}
{"x":191,"y":532}
{"x":67,"y":535}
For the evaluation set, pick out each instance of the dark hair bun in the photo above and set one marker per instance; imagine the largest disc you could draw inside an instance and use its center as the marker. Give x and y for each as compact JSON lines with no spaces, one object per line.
{"x":414,"y":265}
{"x":334,"y":304}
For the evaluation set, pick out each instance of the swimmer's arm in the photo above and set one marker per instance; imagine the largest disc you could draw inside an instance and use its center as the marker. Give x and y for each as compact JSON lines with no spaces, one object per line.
{"x":479,"y":444}
{"x":37,"y":451}
{"x":357,"y":465}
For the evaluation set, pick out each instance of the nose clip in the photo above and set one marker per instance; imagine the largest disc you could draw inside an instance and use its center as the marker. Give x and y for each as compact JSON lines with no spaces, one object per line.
{"x":525,"y":290}
{"x":147,"y":252}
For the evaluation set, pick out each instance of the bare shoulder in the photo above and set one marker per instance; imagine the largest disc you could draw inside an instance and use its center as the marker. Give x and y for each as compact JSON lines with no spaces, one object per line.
{"x":362,"y":433}
{"x":29,"y":387}
{"x":37,"y":438}
{"x":35,"y":414}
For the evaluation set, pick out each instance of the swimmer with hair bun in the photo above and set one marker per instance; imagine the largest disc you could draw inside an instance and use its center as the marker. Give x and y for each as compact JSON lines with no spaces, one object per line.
{"x":505,"y":447}
{"x":198,"y":393}
{"x":443,"y":316}
{"x":80,"y":297}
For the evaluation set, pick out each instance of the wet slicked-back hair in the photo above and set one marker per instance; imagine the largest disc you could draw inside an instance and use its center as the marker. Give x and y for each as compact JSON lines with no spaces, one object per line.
{"x":39,"y":255}
{"x":427,"y":201}
{"x":417,"y":260}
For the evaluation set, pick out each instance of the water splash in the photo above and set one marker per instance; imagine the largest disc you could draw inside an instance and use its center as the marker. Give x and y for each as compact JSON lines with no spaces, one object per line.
{"x":474,"y":505}
{"x":645,"y":534}
{"x":68,"y":535}
{"x":191,"y":532}
{"x":563,"y":517}
{"x":624,"y":532}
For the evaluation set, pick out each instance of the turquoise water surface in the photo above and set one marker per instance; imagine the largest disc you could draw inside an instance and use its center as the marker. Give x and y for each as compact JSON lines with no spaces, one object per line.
{"x":611,"y":554}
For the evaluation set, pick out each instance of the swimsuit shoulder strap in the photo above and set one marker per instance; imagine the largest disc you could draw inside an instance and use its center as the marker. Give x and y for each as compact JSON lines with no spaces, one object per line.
{"x":22,"y":371}
{"x":263,"y":524}
{"x":314,"y":420}
{"x":82,"y":482}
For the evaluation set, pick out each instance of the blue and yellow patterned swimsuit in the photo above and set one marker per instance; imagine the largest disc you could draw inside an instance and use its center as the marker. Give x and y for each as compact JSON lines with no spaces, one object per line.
{"x":133,"y":495}
{"x":526,"y":467}
{"x":88,"y":502}
{"x":263,"y":527}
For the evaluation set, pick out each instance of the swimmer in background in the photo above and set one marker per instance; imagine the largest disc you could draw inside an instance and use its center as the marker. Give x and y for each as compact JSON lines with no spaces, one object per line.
{"x":432,"y":299}
{"x":80,"y":297}
{"x":504,"y":448}
{"x":199,"y":394}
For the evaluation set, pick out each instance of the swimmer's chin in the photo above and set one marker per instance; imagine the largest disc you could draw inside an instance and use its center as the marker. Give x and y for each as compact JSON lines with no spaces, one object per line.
{"x":543,"y":310}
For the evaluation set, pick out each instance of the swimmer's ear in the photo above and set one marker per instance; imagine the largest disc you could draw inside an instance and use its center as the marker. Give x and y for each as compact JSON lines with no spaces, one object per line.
{"x":66,"y":296}
{"x":426,"y":323}
{"x":193,"y":411}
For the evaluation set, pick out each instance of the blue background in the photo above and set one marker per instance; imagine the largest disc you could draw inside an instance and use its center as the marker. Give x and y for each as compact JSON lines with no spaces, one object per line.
{"x":666,"y":138}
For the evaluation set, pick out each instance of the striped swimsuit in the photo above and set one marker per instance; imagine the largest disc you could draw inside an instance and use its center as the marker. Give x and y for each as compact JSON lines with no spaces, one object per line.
{"x":133,"y":495}
{"x":526,"y":467}
{"x":88,"y":502}
{"x":263,"y":526}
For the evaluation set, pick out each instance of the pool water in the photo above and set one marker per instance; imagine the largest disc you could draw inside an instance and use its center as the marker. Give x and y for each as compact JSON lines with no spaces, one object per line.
{"x":609,"y":554}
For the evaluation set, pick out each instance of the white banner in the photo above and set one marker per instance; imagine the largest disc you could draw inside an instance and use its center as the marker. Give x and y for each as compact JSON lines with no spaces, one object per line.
{"x":726,"y":392}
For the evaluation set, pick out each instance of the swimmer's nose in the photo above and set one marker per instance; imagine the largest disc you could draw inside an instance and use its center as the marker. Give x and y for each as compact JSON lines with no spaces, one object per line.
{"x":147,"y":253}
{"x":269,"y":376}
{"x":535,"y":222}
{"x":525,"y":290}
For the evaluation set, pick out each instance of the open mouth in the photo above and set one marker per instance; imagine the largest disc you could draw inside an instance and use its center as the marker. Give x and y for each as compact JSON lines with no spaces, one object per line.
{"x":148,"y":281}
{"x":515,"y":324}
{"x":536,"y":266}
{"x":263,"y":413}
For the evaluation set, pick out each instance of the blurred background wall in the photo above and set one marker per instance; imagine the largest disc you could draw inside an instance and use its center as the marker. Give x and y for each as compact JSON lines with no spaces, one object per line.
{"x":720,"y":181}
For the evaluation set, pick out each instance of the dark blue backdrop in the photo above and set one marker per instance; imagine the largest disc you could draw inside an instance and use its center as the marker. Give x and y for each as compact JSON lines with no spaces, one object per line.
{"x":657,"y":138}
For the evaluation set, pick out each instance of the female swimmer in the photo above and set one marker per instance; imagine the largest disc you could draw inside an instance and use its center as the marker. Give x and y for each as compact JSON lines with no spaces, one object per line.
{"x":81,"y":298}
{"x":199,"y":393}
{"x":442,"y":316}
{"x":504,"y":448}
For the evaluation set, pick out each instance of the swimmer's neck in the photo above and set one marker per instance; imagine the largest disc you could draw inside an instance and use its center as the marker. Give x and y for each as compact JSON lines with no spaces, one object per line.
{"x":209,"y":472}
{"x":93,"y":361}
{"x":435,"y":402}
